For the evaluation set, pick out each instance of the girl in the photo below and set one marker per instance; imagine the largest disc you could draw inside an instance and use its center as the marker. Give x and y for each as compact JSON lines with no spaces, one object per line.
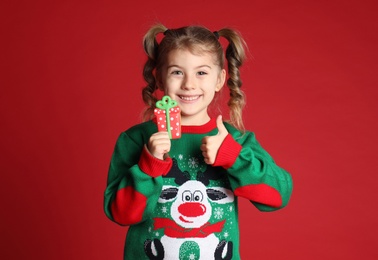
{"x":179,"y":197}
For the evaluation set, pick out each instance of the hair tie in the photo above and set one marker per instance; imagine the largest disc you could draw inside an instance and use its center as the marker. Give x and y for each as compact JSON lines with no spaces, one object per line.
{"x":166,"y":31}
{"x":216,"y":34}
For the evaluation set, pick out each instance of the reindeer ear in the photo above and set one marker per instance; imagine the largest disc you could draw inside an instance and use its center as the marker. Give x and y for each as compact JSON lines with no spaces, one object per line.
{"x":168,"y":194}
{"x":220,"y":195}
{"x":215,"y":194}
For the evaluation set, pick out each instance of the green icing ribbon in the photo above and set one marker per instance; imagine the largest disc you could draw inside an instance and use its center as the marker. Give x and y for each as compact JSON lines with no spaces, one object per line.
{"x":166,"y":103}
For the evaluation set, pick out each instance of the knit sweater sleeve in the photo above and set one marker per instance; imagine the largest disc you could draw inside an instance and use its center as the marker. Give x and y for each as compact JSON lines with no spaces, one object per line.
{"x":134,"y":181}
{"x":253,"y":174}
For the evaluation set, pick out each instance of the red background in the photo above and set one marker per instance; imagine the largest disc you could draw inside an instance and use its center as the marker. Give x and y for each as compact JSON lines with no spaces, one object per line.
{"x":71,"y":82}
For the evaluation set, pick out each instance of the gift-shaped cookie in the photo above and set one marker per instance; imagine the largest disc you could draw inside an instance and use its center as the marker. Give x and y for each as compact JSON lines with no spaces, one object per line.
{"x":168,"y":117}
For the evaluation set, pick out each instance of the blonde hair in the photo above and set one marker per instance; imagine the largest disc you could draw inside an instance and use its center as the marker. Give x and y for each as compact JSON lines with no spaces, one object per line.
{"x":196,"y":39}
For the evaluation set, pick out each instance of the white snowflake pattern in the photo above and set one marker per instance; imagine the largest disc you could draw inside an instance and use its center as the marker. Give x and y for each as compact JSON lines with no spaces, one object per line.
{"x":226,"y":234}
{"x":157,"y":234}
{"x":218,"y":213}
{"x":192,"y":256}
{"x":230,"y":208}
{"x":180,"y":157}
{"x":164,"y":209}
{"x":193,"y":162}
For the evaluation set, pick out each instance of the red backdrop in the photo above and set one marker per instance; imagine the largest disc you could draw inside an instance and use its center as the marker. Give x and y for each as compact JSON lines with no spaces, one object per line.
{"x":71,"y":81}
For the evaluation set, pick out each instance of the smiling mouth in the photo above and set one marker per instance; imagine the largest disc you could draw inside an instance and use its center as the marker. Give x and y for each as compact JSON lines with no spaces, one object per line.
{"x":189,"y":98}
{"x":184,"y":220}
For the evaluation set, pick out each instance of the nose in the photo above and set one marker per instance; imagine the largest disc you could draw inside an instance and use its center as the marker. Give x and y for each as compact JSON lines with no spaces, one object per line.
{"x":188,"y":83}
{"x":192,"y":209}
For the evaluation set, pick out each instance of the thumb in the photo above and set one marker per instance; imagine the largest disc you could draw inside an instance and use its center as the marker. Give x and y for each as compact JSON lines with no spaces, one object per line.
{"x":221,"y":128}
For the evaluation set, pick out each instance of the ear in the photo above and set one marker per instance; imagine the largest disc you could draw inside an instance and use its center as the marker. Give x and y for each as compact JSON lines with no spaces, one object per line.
{"x":221,"y":80}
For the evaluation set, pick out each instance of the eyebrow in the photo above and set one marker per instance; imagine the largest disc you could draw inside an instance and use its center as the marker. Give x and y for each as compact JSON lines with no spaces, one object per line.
{"x":198,"y":67}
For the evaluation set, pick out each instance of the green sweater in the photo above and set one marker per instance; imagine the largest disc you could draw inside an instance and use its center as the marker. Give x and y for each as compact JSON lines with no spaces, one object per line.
{"x":182,"y":208}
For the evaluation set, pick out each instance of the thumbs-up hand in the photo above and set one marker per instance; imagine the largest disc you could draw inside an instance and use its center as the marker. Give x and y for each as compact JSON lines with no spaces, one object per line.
{"x":210,"y":144}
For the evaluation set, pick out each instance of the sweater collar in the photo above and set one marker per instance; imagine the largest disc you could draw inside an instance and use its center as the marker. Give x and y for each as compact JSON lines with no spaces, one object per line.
{"x":199,"y":129}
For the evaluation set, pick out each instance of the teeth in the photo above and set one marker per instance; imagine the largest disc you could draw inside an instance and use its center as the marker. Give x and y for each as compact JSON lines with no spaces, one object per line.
{"x":189,"y":98}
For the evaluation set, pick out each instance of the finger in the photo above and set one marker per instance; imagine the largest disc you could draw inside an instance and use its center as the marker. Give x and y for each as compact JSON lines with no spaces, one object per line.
{"x":161,"y":134}
{"x":208,"y":161}
{"x":205,"y":139}
{"x":221,"y":128}
{"x":162,"y":149}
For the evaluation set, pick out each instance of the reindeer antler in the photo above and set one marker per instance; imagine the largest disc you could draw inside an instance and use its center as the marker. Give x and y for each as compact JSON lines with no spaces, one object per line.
{"x":179,"y":176}
{"x":211,"y":173}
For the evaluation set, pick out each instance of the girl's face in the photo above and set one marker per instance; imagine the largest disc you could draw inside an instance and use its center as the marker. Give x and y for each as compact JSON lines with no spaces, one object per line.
{"x":192,"y":81}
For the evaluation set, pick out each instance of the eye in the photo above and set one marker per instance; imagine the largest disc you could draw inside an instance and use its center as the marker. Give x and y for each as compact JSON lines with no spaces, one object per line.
{"x":186,"y":196}
{"x":201,"y":73}
{"x":176,"y":72}
{"x":197,"y":196}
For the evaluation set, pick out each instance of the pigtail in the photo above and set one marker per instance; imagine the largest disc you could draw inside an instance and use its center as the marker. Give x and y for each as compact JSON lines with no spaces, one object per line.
{"x":150,"y":45}
{"x":235,"y":55}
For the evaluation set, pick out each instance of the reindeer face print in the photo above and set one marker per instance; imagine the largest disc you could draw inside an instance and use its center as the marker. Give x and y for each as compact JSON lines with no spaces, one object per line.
{"x":191,"y":207}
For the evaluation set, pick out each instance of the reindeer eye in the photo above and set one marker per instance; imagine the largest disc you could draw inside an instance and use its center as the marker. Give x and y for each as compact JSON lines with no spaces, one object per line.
{"x":186,"y":196}
{"x":197,"y":196}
